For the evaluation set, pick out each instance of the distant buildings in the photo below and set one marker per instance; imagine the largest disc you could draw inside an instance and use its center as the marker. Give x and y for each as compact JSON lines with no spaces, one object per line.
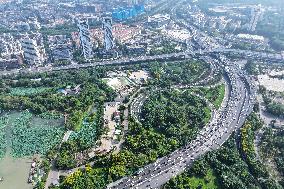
{"x":108,"y":36}
{"x":256,"y":14}
{"x":23,"y":27}
{"x":121,"y":32}
{"x":9,"y":46}
{"x":31,"y":51}
{"x":254,"y":40}
{"x":32,"y":24}
{"x":62,"y":52}
{"x":129,"y":12}
{"x":177,"y":34}
{"x":124,"y":33}
{"x":85,"y":40}
{"x":11,"y":63}
{"x":61,"y":47}
{"x":10,"y":52}
{"x":135,"y":49}
{"x":132,"y":2}
{"x":158,"y":20}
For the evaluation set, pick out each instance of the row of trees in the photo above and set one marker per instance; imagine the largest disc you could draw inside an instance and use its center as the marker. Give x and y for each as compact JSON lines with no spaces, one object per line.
{"x":178,"y":73}
{"x":256,"y":168}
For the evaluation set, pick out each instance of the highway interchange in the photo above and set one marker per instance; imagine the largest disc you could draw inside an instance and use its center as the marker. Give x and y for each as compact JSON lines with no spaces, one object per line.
{"x":237,"y":105}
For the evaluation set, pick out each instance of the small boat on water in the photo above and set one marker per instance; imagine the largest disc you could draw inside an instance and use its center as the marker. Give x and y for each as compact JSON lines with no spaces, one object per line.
{"x":1,"y":179}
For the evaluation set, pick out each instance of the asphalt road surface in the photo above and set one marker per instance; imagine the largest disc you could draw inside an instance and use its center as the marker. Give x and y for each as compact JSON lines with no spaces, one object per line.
{"x":245,"y":53}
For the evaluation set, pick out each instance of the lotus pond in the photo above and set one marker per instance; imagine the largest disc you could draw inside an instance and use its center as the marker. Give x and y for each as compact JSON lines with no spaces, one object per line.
{"x":27,"y":135}
{"x":21,"y":136}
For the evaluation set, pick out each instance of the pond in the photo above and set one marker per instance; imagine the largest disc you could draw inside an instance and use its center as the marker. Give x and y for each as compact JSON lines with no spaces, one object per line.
{"x":15,"y":171}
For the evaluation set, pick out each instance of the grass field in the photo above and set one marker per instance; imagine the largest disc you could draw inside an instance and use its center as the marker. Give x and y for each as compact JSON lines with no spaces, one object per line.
{"x":208,"y":114}
{"x":221,"y":93}
{"x":21,"y":91}
{"x":215,"y":95}
{"x":186,"y":181}
{"x":208,"y":182}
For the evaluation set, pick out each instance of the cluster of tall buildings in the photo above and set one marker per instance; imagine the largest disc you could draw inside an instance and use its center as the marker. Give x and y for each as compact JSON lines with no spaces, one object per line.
{"x":85,"y":38}
{"x":26,"y":44}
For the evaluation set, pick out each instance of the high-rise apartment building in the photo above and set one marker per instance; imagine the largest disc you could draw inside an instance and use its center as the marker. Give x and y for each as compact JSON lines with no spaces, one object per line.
{"x":33,"y":53}
{"x":85,"y":39}
{"x":108,"y":36}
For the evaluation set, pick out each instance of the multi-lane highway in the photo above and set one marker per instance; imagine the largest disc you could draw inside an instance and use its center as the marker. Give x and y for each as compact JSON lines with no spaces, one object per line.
{"x":171,"y":56}
{"x":237,"y":104}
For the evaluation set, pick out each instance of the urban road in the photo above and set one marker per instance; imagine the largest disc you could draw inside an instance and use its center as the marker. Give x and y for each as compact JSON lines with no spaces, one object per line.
{"x":181,"y":55}
{"x":237,"y":105}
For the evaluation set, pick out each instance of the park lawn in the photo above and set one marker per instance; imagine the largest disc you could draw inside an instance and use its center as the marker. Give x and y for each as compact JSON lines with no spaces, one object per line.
{"x":215,"y":95}
{"x":26,"y":91}
{"x":217,"y":103}
{"x":208,"y":115}
{"x":207,"y":182}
